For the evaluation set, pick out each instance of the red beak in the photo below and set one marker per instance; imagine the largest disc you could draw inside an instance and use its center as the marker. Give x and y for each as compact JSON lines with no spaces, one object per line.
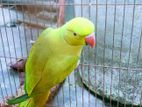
{"x":90,"y":40}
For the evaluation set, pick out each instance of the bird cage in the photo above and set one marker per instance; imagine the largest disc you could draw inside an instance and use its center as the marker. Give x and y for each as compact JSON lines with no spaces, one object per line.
{"x":109,"y":75}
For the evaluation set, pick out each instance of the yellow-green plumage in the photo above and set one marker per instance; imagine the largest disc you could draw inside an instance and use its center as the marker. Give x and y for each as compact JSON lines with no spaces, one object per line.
{"x":52,"y":58}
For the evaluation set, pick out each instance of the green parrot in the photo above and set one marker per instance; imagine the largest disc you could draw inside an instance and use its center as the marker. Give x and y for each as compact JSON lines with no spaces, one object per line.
{"x":54,"y":55}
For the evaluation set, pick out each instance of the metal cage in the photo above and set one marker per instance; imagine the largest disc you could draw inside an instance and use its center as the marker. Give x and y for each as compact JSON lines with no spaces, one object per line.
{"x":110,"y":75}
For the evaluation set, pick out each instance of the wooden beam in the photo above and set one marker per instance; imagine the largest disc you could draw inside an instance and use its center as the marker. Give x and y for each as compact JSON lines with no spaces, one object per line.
{"x":61,"y":15}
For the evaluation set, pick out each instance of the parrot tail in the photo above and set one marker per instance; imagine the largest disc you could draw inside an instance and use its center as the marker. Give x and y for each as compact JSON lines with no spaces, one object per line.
{"x":36,"y":101}
{"x":18,"y":99}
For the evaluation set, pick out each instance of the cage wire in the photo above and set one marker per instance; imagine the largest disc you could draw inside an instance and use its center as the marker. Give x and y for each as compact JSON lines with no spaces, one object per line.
{"x":110,"y":75}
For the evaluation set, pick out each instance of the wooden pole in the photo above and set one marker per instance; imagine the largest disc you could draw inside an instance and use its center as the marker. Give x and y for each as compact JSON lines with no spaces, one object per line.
{"x":61,"y":13}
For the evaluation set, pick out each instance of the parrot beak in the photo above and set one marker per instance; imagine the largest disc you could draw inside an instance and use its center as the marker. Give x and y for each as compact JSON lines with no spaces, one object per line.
{"x":90,"y":40}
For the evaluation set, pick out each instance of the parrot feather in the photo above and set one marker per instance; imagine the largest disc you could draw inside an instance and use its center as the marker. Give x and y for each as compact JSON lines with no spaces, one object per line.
{"x":18,"y":99}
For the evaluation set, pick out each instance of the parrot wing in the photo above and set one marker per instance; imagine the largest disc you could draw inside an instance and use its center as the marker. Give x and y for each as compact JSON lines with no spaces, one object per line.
{"x":55,"y":71}
{"x":60,"y":69}
{"x":36,"y":61}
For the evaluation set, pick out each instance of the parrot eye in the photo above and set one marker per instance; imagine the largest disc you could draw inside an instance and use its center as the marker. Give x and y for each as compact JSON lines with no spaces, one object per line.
{"x":74,"y":34}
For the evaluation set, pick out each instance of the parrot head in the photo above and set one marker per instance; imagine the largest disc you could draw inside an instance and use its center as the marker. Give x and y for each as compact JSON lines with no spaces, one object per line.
{"x":80,"y":31}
